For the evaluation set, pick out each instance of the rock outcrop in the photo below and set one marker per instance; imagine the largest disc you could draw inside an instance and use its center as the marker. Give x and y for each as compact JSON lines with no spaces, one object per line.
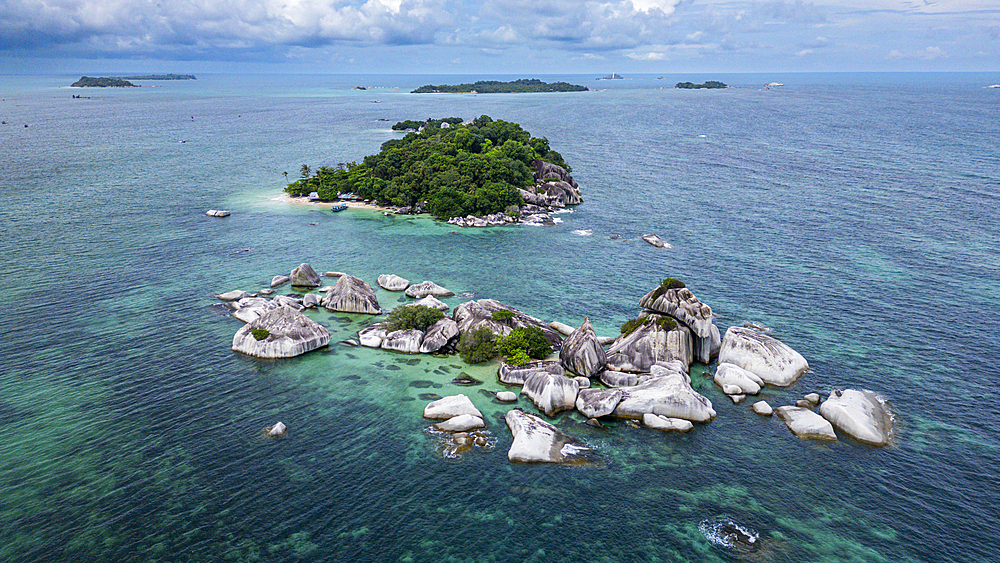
{"x":581,"y":353}
{"x":392,"y":282}
{"x":438,"y":335}
{"x":537,"y":441}
{"x":551,"y":393}
{"x":595,"y":403}
{"x":638,"y":350}
{"x":770,"y":359}
{"x":425,"y":288}
{"x":805,"y":423}
{"x":861,"y":415}
{"x":667,"y":393}
{"x":234,"y":295}
{"x":279,"y":280}
{"x":732,"y":375}
{"x":665,"y":423}
{"x":655,"y":241}
{"x":472,"y":315}
{"x":406,"y":341}
{"x":516,"y":375}
{"x":304,"y":276}
{"x":451,"y":406}
{"x":281,"y":332}
{"x":681,"y":304}
{"x":352,"y":295}
{"x":372,"y":336}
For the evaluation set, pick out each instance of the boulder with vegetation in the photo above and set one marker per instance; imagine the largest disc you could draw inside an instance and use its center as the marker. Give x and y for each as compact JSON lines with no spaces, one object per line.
{"x":672,"y":298}
{"x":642,"y":343}
{"x":352,"y":295}
{"x":439,"y":335}
{"x":517,"y":375}
{"x":281,"y":332}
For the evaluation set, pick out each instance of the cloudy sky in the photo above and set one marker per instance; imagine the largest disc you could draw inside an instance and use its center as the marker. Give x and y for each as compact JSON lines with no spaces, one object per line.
{"x":501,"y":36}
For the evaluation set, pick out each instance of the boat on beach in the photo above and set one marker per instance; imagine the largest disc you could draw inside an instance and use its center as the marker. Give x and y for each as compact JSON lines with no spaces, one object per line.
{"x":339,"y":207}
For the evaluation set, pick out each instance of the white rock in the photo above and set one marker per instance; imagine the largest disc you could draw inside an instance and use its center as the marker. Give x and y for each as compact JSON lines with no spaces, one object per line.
{"x":551,"y":393}
{"x":582,"y":382}
{"x":595,"y":403}
{"x":352,"y":295}
{"x":562,"y":328}
{"x":461,"y":423}
{"x":453,"y":405}
{"x":507,"y":396}
{"x":813,"y":398}
{"x":665,"y":393}
{"x":279,"y":280}
{"x":773,"y":361}
{"x":334,"y":274}
{"x":665,"y":423}
{"x":289,"y":333}
{"x":234,"y":295}
{"x":406,"y":341}
{"x":537,"y":441}
{"x":279,"y":429}
{"x":310,"y":300}
{"x":861,"y":415}
{"x":438,"y":335}
{"x":805,"y":423}
{"x":426,"y":288}
{"x":432,"y":302}
{"x":733,"y":375}
{"x":304,"y":275}
{"x":655,"y":241}
{"x":732,"y":390}
{"x":372,"y":336}
{"x":392,"y":282}
{"x":581,"y":353}
{"x":762,"y":408}
{"x":737,"y":398}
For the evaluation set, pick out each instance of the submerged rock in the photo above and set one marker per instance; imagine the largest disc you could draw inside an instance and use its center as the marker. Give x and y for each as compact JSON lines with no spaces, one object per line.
{"x":537,"y":441}
{"x":861,"y":415}
{"x":773,"y":361}
{"x":304,"y":276}
{"x":282,"y":332}
{"x":392,"y":282}
{"x":581,"y":353}
{"x":447,"y":407}
{"x":805,"y":423}
{"x":426,"y":288}
{"x":551,"y":393}
{"x":352,"y":295}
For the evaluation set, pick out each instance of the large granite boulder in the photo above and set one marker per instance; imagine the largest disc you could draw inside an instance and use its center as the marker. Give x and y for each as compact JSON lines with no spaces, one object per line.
{"x":281,"y":332}
{"x":667,"y":393}
{"x":646,"y":344}
{"x":595,"y":403}
{"x":352,"y":295}
{"x":551,"y":393}
{"x":392,"y":282}
{"x":234,"y":295}
{"x":372,"y":336}
{"x":622,"y":378}
{"x":461,"y":423}
{"x":406,"y":341}
{"x":279,"y":280}
{"x":558,"y":193}
{"x":432,"y":302}
{"x":472,"y":315}
{"x":438,"y":335}
{"x":581,"y":353}
{"x":516,"y":375}
{"x":448,"y":407}
{"x":537,"y":441}
{"x":770,"y":359}
{"x":250,"y":309}
{"x":423,"y":289}
{"x":730,"y":374}
{"x":805,"y":423}
{"x":311,"y":300}
{"x":542,"y":170}
{"x":861,"y":415}
{"x":681,"y":304}
{"x":304,"y":276}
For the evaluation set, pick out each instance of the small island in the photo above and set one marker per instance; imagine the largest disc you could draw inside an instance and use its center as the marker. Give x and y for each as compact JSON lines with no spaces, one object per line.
{"x":452,"y":168}
{"x":161,"y":77}
{"x":707,"y":85}
{"x":102,"y":82}
{"x":524,"y":85}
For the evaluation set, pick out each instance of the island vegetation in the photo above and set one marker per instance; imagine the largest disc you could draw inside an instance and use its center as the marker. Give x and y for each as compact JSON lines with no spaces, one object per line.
{"x":161,"y":77}
{"x":523,"y":85}
{"x":102,"y":82}
{"x":453,"y":168}
{"x":693,"y":86}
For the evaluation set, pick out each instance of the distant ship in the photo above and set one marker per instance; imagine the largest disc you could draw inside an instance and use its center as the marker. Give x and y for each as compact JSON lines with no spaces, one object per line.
{"x":612,"y":76}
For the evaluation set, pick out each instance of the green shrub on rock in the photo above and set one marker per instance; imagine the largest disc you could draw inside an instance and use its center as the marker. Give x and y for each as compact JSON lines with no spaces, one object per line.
{"x":529,"y":339}
{"x":412,"y":316}
{"x":503,"y":315}
{"x":477,"y":346}
{"x":260,"y":333}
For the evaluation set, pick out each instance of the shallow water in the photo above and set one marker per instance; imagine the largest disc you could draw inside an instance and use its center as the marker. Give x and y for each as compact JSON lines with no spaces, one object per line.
{"x":852,"y":214}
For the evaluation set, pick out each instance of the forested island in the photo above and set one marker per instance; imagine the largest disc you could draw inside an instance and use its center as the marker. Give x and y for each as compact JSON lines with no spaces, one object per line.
{"x":102,"y":82}
{"x":459,"y":168}
{"x":495,"y":87}
{"x":161,"y":77}
{"x":693,"y":86}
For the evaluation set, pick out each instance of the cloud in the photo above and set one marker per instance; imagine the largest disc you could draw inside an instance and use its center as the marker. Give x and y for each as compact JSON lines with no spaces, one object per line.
{"x":804,"y":52}
{"x":931,"y":53}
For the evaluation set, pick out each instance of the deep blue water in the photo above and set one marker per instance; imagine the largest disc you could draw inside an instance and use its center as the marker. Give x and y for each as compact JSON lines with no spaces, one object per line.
{"x":853,"y":214}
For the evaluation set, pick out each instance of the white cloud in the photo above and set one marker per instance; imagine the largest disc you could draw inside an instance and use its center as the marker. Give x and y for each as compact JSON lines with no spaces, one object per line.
{"x":804,"y":52}
{"x":931,"y":53}
{"x":665,"y":6}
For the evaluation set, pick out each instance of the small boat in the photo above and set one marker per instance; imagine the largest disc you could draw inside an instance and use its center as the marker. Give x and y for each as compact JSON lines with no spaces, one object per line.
{"x":339,"y":207}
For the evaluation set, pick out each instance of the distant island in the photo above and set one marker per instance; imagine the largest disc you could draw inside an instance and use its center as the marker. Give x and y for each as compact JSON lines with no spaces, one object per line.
{"x":102,"y":82}
{"x":693,"y":86}
{"x":612,"y":76}
{"x":161,"y":77}
{"x":495,"y":87}
{"x":450,"y":168}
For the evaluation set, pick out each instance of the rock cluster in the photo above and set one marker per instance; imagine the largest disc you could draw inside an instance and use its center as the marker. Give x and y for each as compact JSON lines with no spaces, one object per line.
{"x":352,"y":295}
{"x":553,"y":189}
{"x":280,"y":332}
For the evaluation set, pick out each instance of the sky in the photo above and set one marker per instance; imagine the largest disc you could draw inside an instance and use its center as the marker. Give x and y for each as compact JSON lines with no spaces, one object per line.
{"x":500,"y":36}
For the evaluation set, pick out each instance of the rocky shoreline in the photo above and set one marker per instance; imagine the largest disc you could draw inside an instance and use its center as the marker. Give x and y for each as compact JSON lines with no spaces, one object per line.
{"x":642,"y":375}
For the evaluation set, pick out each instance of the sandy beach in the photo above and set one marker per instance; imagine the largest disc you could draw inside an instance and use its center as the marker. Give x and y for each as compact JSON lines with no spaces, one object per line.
{"x":285,"y":198}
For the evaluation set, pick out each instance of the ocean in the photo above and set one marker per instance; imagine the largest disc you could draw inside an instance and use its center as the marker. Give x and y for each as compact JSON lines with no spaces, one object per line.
{"x":853,"y":214}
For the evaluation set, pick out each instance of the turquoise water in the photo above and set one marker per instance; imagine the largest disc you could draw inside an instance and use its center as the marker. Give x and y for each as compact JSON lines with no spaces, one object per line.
{"x":853,"y":214}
